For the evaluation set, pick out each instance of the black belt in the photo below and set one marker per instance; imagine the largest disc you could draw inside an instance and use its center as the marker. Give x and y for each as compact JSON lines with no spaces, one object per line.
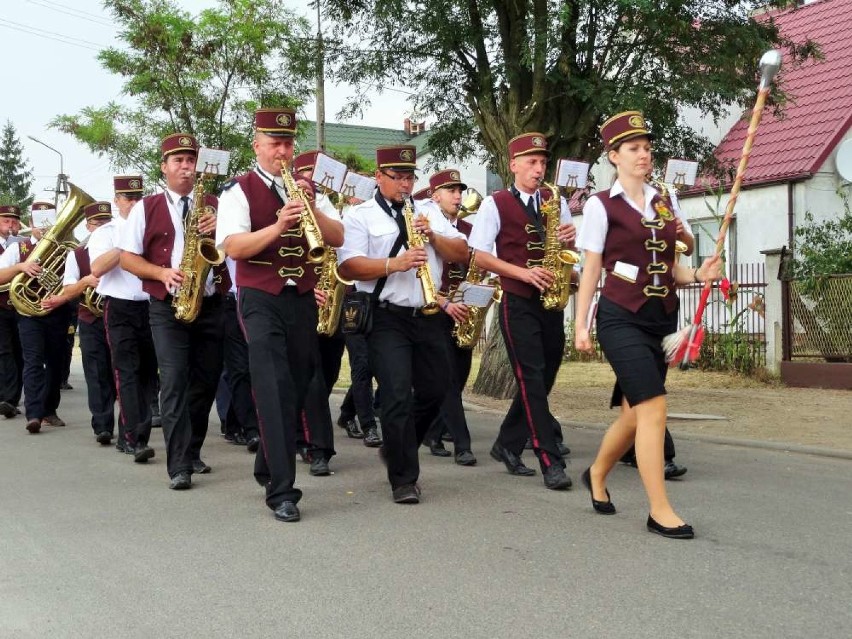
{"x":231,"y":297}
{"x":408,"y":311}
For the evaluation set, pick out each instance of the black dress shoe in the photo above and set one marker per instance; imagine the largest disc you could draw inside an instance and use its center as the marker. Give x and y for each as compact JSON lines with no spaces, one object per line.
{"x":253,"y":444}
{"x":563,"y":449}
{"x":288,"y":511}
{"x":200,"y":468}
{"x":672,"y":470}
{"x":142,"y":453}
{"x":602,"y":507}
{"x":319,"y":466}
{"x":343,"y":421}
{"x":33,"y":426}
{"x":371,"y":437}
{"x":181,"y":481}
{"x":304,"y":454}
{"x":438,"y":450}
{"x":684,"y":531}
{"x":447,"y":437}
{"x":104,"y":438}
{"x":123,"y":446}
{"x":240,"y":439}
{"x":528,"y":444}
{"x":65,"y":386}
{"x":513,"y":463}
{"x":7,"y":410}
{"x":465,"y":458}
{"x":555,"y":477}
{"x":406,"y":494}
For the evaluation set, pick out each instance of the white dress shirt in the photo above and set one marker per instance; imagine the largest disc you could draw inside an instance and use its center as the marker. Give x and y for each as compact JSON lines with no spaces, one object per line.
{"x":72,"y":270}
{"x":116,"y":282}
{"x":12,"y":254}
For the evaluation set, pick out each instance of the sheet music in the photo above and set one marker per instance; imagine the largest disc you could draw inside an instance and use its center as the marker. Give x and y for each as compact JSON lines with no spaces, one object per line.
{"x":359,"y":186}
{"x":681,"y":172}
{"x":572,"y":174}
{"x":213,"y":161}
{"x":473,"y":294}
{"x":329,"y":172}
{"x":41,"y":219}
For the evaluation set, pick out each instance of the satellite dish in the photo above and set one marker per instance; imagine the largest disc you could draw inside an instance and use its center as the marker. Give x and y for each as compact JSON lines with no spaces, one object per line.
{"x":843,"y":162}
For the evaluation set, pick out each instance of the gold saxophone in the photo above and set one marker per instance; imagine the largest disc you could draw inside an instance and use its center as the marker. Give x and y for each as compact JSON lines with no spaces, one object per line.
{"x":199,"y":256}
{"x":26,"y":293}
{"x":417,"y":240}
{"x":334,"y":287}
{"x":557,"y":259}
{"x":308,"y":222}
{"x":468,"y":332}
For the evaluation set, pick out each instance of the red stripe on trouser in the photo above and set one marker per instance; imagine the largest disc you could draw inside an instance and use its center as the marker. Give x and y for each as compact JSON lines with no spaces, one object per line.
{"x":522,"y":384}
{"x":115,"y":375}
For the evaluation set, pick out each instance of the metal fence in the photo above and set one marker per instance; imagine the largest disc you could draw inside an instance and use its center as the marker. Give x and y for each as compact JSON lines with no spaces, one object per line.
{"x":818,"y":319}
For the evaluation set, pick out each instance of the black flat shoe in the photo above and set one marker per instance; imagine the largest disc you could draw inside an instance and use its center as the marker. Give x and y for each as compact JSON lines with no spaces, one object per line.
{"x":104,"y":438}
{"x":602,"y":507}
{"x":253,"y":444}
{"x":200,"y":468}
{"x":465,"y":458}
{"x":181,"y":481}
{"x":512,"y":461}
{"x":684,"y":531}
{"x":438,"y":450}
{"x":319,"y":466}
{"x":673,"y":470}
{"x":555,"y":478}
{"x":288,"y":511}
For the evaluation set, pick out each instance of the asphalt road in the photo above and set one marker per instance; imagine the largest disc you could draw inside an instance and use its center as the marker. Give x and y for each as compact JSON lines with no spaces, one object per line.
{"x":93,"y":545}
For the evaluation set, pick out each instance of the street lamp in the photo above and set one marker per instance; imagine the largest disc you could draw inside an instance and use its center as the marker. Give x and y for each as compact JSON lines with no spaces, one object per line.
{"x":61,"y":179}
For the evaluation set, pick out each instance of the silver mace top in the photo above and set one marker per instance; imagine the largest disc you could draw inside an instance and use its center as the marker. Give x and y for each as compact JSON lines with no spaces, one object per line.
{"x":770,"y":63}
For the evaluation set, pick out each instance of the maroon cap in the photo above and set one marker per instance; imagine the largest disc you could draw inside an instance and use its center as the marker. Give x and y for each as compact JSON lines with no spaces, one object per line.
{"x":42,"y":205}
{"x":305,"y":161}
{"x":622,"y":127}
{"x":178,"y":143}
{"x":280,"y":122}
{"x":402,"y":157}
{"x":527,"y":144}
{"x":447,"y":177}
{"x":10,"y":210}
{"x":127,"y":184}
{"x":97,"y":211}
{"x":422,"y":194}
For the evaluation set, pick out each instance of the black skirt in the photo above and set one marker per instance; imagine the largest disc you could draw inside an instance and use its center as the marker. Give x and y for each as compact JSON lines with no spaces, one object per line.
{"x":633,"y":344}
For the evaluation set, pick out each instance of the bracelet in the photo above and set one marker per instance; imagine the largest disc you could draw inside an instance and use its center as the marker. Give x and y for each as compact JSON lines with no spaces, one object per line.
{"x":387,"y":266}
{"x":695,"y":276}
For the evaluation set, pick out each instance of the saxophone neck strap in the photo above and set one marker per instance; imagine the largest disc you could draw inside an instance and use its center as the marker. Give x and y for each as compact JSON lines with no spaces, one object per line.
{"x":400,"y":240}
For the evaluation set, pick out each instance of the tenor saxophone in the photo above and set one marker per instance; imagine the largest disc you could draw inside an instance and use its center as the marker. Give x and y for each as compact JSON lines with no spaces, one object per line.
{"x":334,"y":287}
{"x":468,"y":332}
{"x":557,"y":259}
{"x":417,"y":240}
{"x":308,"y":221}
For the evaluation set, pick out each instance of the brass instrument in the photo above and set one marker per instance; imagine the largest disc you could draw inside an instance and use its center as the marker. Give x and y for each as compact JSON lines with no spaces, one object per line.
{"x":334,"y":287}
{"x":26,"y":293}
{"x":308,"y":222}
{"x":199,"y":256}
{"x":470,"y":204}
{"x":417,"y":240}
{"x":558,"y":260}
{"x":93,"y":301}
{"x":468,"y":332}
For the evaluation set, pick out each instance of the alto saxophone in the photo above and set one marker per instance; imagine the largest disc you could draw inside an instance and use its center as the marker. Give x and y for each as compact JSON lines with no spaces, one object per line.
{"x":557,"y":259}
{"x":468,"y":332}
{"x":199,"y":256}
{"x":334,"y":287}
{"x":308,"y":222}
{"x":417,"y":240}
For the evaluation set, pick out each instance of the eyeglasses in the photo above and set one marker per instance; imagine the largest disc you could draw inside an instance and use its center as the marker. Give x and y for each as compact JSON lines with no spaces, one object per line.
{"x":400,"y":177}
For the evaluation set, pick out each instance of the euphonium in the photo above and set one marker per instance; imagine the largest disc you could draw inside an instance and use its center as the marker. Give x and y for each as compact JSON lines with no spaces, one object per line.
{"x":468,"y":332}
{"x":416,"y":240}
{"x":334,"y":287}
{"x":26,"y":292}
{"x":199,"y":256}
{"x":93,"y":301}
{"x":558,"y":260}
{"x":308,"y":222}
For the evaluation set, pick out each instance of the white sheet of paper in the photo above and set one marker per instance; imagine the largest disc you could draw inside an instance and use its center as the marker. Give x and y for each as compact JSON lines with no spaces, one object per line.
{"x":360,"y":186}
{"x":473,"y":294}
{"x":45,"y":218}
{"x":329,"y":172}
{"x":213,"y":161}
{"x":681,"y":172}
{"x":572,"y":174}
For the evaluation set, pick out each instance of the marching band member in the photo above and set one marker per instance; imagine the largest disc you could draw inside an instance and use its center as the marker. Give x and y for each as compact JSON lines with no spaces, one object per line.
{"x":97,"y":365}
{"x":264,"y":235}
{"x":511,"y":220}
{"x":11,"y":359}
{"x":189,"y":354}
{"x":630,"y":231}
{"x":446,"y":188}
{"x":407,"y":347}
{"x":127,"y":324}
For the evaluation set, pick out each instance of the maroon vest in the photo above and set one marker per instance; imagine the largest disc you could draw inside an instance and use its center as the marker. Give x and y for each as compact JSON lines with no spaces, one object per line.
{"x":159,"y":240}
{"x":284,"y":258}
{"x":454,"y":273}
{"x":518,"y":242}
{"x":82,"y":255}
{"x":631,"y":239}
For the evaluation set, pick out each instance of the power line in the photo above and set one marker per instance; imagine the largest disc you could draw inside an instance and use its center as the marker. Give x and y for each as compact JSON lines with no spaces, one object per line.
{"x":70,"y":11}
{"x":50,"y":35}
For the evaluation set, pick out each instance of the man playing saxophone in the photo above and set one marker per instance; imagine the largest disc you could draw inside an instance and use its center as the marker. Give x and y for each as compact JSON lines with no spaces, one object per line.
{"x":407,"y":346}
{"x":261,"y":229}
{"x":511,"y":221}
{"x":189,"y":354}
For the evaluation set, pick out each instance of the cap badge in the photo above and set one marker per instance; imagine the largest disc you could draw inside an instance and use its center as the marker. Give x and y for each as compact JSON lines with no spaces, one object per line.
{"x":103,"y":208}
{"x":538,"y":141}
{"x":406,"y":155}
{"x":637,"y":122}
{"x":284,"y":119}
{"x":135,"y":184}
{"x":185,"y":141}
{"x":454,"y":175}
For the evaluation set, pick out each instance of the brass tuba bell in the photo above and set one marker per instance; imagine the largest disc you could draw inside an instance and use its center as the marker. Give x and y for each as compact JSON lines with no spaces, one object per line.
{"x":470,"y":203}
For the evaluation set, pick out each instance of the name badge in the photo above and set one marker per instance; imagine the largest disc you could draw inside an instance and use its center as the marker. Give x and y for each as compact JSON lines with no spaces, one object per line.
{"x":626,"y":271}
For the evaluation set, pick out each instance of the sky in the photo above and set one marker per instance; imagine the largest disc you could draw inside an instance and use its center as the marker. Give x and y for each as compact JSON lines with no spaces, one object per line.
{"x":49,"y":48}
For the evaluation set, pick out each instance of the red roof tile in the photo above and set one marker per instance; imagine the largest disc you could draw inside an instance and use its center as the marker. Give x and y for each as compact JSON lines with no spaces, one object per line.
{"x":819,"y":108}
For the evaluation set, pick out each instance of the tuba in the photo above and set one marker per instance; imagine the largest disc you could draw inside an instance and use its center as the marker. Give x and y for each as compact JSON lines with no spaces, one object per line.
{"x":308,"y":223}
{"x":558,"y":260}
{"x":468,"y":332}
{"x":417,"y":240}
{"x":26,"y":293}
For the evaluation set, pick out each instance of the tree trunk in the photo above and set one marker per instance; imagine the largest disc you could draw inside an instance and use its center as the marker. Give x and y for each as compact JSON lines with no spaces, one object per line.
{"x":495,"y":378}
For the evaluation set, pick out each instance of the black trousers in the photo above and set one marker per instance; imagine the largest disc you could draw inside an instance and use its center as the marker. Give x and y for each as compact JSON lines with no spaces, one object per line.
{"x":407,"y":352}
{"x":281,"y":331}
{"x":44,"y":345}
{"x":317,"y":413}
{"x":11,"y":358}
{"x":535,"y":341}
{"x":451,"y":417}
{"x":71,"y":334}
{"x":190,"y":360}
{"x":241,"y":415}
{"x":134,"y":363}
{"x":359,"y":397}
{"x":97,"y":369}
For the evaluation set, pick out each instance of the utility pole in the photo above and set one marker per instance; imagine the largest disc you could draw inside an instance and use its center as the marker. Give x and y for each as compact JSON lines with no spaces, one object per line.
{"x":61,"y":178}
{"x":320,"y":85}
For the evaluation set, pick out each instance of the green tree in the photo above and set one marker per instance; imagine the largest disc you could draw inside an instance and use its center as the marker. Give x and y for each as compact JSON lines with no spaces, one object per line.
{"x":203,"y":74}
{"x":16,"y":178}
